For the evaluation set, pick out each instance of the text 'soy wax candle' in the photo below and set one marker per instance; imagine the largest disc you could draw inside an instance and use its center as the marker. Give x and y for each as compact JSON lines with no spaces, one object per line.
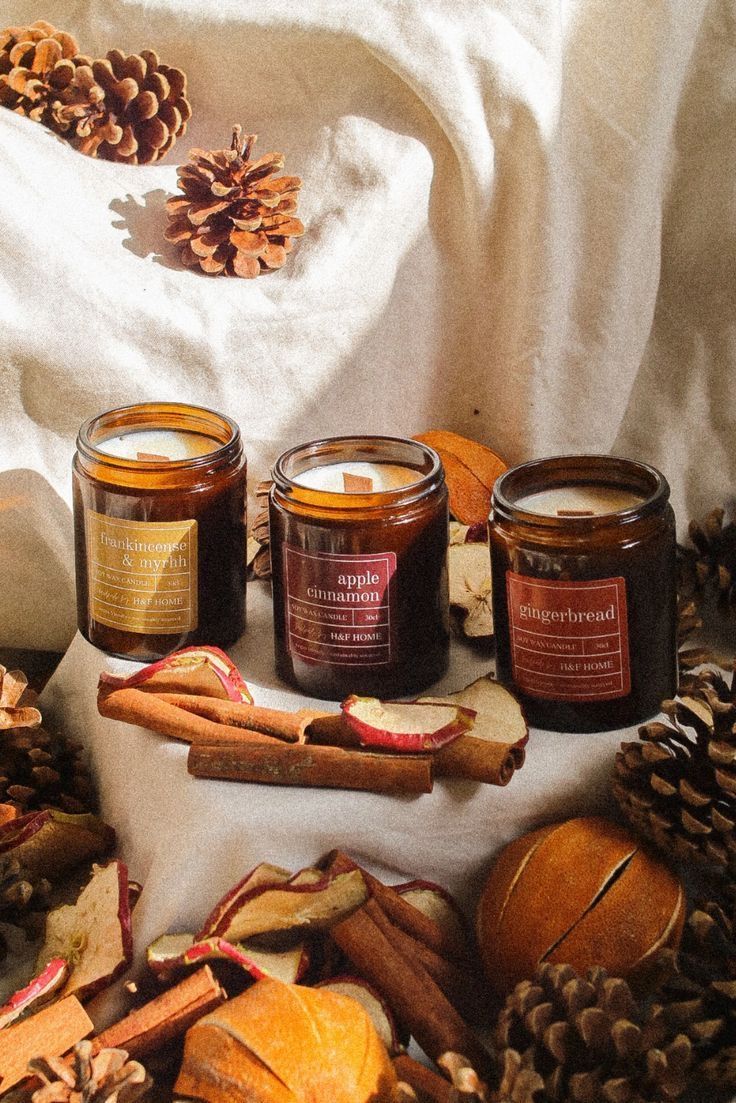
{"x":359,"y":564}
{"x":584,"y":590}
{"x":159,"y":515}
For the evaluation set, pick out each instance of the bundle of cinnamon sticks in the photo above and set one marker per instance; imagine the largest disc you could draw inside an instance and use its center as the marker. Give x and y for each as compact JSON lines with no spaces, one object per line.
{"x":239,"y":741}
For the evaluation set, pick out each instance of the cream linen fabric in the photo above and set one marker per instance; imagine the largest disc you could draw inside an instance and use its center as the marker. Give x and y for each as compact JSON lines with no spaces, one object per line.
{"x":520,"y":226}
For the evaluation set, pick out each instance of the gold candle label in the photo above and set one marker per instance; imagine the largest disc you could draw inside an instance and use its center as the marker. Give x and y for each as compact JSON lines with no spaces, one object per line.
{"x":569,"y":640}
{"x":142,"y":575}
{"x":338,"y":607}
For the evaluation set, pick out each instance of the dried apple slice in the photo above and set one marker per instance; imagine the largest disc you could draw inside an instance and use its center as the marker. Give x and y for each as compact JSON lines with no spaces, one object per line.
{"x":378,"y":1010}
{"x":173,"y":952}
{"x":262,"y":875}
{"x":469,"y":572}
{"x":272,"y":910}
{"x":94,"y":935}
{"x":498,"y":715}
{"x":205,"y":671}
{"x":49,"y":843}
{"x":41,"y":989}
{"x":414,"y":727}
{"x":437,"y":903}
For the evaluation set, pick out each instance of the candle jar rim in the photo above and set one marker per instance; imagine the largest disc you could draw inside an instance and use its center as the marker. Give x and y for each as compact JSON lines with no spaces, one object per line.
{"x":600,"y":470}
{"x":365,"y":447}
{"x":162,"y":415}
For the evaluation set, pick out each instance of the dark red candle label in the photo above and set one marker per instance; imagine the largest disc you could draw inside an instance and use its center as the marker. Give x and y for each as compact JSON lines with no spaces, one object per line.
{"x":338,"y":607}
{"x":569,"y":640}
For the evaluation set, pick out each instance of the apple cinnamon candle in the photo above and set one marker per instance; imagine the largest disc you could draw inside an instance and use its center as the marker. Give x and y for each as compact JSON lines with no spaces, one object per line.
{"x":359,"y":564}
{"x":159,"y":516}
{"x":584,"y":590}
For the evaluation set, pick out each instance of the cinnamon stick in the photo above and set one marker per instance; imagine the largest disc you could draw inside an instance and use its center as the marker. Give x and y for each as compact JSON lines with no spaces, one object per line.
{"x":403,"y":914}
{"x":147,"y":710}
{"x":462,"y":987}
{"x":290,"y":726}
{"x":429,"y":1086}
{"x":51,"y":1032}
{"x":478,"y":760}
{"x":306,"y":764}
{"x":410,"y":991}
{"x":164,"y":1018}
{"x":466,"y":757}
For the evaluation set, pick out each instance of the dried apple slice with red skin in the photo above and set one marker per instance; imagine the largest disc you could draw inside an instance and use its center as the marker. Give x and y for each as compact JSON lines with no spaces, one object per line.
{"x":414,"y":727}
{"x":182,"y":672}
{"x":42,"y":988}
{"x":289,"y":908}
{"x":171,"y":953}
{"x":371,"y":1001}
{"x":437,"y":903}
{"x":499,"y":716}
{"x":94,"y":935}
{"x":49,"y":843}
{"x":262,"y":875}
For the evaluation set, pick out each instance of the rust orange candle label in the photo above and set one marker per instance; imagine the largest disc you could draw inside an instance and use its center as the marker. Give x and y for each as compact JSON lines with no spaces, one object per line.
{"x":338,"y":607}
{"x":142,"y":575}
{"x":569,"y":640}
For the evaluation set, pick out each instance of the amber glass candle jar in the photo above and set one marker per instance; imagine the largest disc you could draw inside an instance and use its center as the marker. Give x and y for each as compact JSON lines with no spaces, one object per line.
{"x":584,"y":590}
{"x":359,"y":563}
{"x":159,"y":518}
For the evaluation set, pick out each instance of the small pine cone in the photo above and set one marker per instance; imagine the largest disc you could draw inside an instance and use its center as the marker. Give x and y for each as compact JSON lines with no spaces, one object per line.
{"x":688,"y":623}
{"x":143,"y":108}
{"x":107,"y":1077}
{"x":677,"y":785}
{"x":589,"y":1041}
{"x":236,"y":215}
{"x":710,"y":562}
{"x":34,"y":61}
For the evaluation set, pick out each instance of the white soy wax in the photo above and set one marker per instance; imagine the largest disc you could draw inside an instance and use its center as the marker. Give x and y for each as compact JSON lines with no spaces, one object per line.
{"x":591,"y":500}
{"x":169,"y":444}
{"x":384,"y":476}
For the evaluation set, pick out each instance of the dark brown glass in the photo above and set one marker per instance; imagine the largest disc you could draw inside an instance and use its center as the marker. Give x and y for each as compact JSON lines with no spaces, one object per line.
{"x":209,"y":489}
{"x":411,"y":522}
{"x":637,"y":544}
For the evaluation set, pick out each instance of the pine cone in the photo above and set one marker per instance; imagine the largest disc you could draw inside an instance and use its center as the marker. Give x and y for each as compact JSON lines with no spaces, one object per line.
{"x":34,"y":62}
{"x":143,"y":109}
{"x":699,"y":995}
{"x":689,"y":622}
{"x":109,"y":1075}
{"x":41,"y":770}
{"x":677,"y":785}
{"x":236,"y":215}
{"x":588,"y":1041}
{"x":259,"y":558}
{"x":710,"y":563}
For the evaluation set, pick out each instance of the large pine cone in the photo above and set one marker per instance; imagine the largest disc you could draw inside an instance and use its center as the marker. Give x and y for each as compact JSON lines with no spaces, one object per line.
{"x":236,"y":215}
{"x":39,"y":769}
{"x":699,"y":996}
{"x":677,"y":785}
{"x":563,"y":1038}
{"x":35,"y":62}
